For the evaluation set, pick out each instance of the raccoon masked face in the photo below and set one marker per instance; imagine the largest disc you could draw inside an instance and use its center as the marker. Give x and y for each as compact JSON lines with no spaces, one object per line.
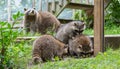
{"x":86,"y":48}
{"x":80,"y":26}
{"x":30,"y":12}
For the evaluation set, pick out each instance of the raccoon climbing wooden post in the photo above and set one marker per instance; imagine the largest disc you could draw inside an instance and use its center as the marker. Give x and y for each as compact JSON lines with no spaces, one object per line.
{"x":98,"y":26}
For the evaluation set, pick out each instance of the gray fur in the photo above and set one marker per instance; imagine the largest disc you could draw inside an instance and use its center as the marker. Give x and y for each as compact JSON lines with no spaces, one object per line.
{"x":80,"y":44}
{"x":67,"y":31}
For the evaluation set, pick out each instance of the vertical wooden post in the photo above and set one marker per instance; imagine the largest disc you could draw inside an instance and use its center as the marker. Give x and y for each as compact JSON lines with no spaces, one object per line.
{"x":53,"y":6}
{"x":98,"y":26}
{"x":40,"y":1}
{"x":60,"y":3}
{"x":88,"y":2}
{"x":80,"y":1}
{"x":47,"y":6}
{"x":33,"y":4}
{"x":9,"y":11}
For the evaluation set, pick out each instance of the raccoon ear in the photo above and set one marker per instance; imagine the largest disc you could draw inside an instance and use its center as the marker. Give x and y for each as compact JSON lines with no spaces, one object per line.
{"x":25,"y":9}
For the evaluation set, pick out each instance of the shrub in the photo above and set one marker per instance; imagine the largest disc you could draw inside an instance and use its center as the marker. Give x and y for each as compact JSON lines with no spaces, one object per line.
{"x":7,"y":42}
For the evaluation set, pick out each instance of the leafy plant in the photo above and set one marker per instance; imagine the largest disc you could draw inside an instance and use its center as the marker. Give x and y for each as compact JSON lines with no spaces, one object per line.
{"x":7,"y":41}
{"x":112,"y":14}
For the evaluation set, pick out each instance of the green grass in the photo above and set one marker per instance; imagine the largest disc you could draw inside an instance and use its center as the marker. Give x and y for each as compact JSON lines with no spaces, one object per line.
{"x":107,"y":60}
{"x":114,"y":30}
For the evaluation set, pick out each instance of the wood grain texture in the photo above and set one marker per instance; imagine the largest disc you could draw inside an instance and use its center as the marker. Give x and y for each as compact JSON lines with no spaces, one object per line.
{"x":98,"y":26}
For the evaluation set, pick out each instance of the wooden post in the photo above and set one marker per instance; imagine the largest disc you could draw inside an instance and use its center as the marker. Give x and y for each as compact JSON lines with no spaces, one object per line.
{"x":98,"y":26}
{"x":88,"y":2}
{"x":33,"y":4}
{"x":47,"y":6}
{"x":40,"y":1}
{"x":80,"y":1}
{"x":9,"y":11}
{"x":60,"y":3}
{"x":53,"y":6}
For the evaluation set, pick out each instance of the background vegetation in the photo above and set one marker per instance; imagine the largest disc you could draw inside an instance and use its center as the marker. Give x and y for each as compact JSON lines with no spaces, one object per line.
{"x":17,"y":55}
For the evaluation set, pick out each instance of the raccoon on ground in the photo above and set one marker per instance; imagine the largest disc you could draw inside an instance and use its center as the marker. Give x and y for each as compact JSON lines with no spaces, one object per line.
{"x":69,"y":30}
{"x":80,"y":45}
{"x":46,"y":47}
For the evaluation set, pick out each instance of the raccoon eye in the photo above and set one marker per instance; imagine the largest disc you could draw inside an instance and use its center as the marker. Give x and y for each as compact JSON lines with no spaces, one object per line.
{"x":75,"y":24}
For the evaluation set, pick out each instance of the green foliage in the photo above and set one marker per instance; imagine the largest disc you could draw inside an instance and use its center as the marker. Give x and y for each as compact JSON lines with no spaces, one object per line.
{"x":57,"y":58}
{"x":112,"y":30}
{"x":108,"y":30}
{"x":106,"y":60}
{"x":81,"y":15}
{"x":17,"y":15}
{"x":112,"y":13}
{"x":7,"y":43}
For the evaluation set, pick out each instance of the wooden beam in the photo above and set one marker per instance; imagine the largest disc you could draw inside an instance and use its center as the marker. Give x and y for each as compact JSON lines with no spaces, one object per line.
{"x":47,"y":5}
{"x":9,"y":11}
{"x":60,"y":3}
{"x":79,"y":6}
{"x":58,"y":13}
{"x":53,"y":6}
{"x":87,"y":2}
{"x":98,"y":26}
{"x":33,"y":4}
{"x":40,"y":1}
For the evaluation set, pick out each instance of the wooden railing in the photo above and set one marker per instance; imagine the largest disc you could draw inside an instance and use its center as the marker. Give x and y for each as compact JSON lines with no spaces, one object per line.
{"x":55,"y":6}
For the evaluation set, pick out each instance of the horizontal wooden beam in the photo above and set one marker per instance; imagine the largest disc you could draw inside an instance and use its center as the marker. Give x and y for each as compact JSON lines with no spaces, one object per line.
{"x":111,"y":41}
{"x":79,"y":6}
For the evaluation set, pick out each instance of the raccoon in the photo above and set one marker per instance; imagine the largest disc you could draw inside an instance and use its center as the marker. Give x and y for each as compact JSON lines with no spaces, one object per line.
{"x":46,"y":48}
{"x":80,"y":45}
{"x":40,"y":22}
{"x":69,"y":30}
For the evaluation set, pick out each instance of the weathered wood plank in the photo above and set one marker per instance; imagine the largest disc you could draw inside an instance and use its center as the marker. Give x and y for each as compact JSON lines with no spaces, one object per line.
{"x":53,"y":6}
{"x":33,"y":4}
{"x":98,"y":26}
{"x":58,"y":13}
{"x":87,"y":2}
{"x":47,"y":6}
{"x":40,"y":5}
{"x":9,"y":11}
{"x":79,"y":6}
{"x":112,"y":41}
{"x":60,"y":3}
